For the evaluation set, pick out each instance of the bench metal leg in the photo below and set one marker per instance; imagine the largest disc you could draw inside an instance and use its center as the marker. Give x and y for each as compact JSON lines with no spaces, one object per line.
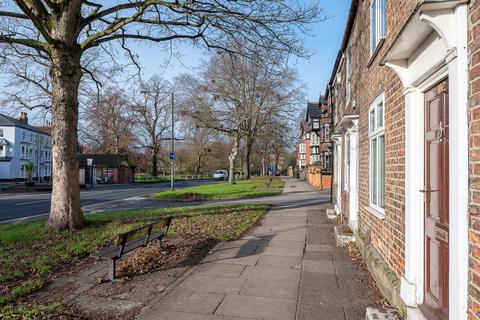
{"x":111,"y":269}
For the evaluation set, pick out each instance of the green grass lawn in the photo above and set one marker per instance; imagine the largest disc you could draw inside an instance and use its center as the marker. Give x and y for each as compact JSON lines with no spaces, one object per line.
{"x":256,"y":187}
{"x":31,"y":254}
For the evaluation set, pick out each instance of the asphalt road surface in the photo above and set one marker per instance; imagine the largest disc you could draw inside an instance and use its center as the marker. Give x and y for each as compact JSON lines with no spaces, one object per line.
{"x":35,"y":206}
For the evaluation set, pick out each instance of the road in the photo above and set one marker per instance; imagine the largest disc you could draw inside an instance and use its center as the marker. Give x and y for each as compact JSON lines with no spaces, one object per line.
{"x":34,"y":206}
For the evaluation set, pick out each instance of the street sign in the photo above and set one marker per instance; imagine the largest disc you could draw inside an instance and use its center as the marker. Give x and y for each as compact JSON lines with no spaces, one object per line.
{"x":172,"y":156}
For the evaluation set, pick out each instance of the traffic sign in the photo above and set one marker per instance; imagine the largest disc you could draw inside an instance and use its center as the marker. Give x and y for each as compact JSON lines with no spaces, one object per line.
{"x":172,"y":156}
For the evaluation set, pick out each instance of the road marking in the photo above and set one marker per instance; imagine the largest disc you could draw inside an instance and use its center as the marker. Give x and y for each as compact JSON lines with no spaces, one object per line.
{"x":25,"y":219}
{"x":86,"y":210}
{"x":30,"y":202}
{"x":92,"y":211}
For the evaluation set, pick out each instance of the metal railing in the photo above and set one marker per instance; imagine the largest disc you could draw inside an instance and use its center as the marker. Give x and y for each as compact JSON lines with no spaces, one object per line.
{"x":143,"y":178}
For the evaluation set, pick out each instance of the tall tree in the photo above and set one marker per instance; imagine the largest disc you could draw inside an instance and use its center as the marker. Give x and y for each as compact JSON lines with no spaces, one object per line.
{"x":212,"y":102}
{"x":60,"y":32}
{"x":109,"y":122}
{"x":152,"y":109}
{"x":239,"y":96}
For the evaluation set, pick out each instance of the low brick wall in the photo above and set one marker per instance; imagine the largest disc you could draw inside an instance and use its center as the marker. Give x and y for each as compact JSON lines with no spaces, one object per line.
{"x":316,"y":179}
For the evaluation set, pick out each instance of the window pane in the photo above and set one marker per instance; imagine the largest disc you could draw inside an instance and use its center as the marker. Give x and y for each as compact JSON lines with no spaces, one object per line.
{"x":383,"y":17}
{"x":380,"y":115}
{"x":372,"y":120}
{"x":381,"y":171}
{"x":373,"y":172}
{"x":373,"y":25}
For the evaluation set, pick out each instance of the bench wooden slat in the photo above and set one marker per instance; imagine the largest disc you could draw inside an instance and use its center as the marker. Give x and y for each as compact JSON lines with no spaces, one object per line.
{"x":156,"y":235}
{"x":133,"y":239}
{"x":106,"y":251}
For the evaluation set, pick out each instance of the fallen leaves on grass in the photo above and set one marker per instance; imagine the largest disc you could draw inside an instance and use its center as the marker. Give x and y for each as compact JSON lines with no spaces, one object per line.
{"x":193,"y":237}
{"x":170,"y":252}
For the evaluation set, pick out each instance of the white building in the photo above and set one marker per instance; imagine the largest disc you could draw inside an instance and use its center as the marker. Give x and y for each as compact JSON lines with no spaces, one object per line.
{"x":21,"y":143}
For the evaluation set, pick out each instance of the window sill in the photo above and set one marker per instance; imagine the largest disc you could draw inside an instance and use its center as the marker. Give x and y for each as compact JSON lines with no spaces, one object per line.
{"x":378,"y":214}
{"x":375,"y":53}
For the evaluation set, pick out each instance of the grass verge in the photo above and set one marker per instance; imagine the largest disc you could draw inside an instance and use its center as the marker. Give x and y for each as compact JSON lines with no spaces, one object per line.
{"x":31,"y":255}
{"x":256,"y":187}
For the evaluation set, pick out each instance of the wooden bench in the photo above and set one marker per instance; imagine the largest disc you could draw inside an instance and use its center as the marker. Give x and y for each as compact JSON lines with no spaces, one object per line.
{"x":133,"y":239}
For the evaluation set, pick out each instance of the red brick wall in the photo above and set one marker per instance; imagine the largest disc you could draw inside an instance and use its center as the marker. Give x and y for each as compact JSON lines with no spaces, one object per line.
{"x":368,"y":82}
{"x":474,"y":118}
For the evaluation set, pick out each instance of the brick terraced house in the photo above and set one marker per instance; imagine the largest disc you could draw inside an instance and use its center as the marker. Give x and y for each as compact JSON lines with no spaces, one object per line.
{"x":405,"y":93}
{"x":314,"y":144}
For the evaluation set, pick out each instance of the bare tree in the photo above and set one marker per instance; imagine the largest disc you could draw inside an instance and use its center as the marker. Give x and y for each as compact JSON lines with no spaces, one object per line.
{"x":212,"y":102}
{"x":273,"y":140}
{"x":269,"y":93}
{"x":151,"y":108}
{"x":239,"y":96}
{"x":108,"y":122}
{"x":201,"y":147}
{"x":60,"y":32}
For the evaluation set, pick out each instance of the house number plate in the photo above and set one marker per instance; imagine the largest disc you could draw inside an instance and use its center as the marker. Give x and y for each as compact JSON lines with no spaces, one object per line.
{"x":441,"y":234}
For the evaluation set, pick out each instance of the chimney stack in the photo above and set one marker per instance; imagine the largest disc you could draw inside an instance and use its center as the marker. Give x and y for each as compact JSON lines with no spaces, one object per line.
{"x":23,"y":117}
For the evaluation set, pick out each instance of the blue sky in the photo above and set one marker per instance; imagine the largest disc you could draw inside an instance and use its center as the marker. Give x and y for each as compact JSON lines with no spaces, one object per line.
{"x":314,"y":72}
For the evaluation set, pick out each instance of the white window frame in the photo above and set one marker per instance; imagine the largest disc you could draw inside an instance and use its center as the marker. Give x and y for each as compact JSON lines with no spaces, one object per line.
{"x":348,"y":74}
{"x":375,"y":131}
{"x":3,"y":150}
{"x":346,"y":162}
{"x":302,"y":148}
{"x":377,"y":23}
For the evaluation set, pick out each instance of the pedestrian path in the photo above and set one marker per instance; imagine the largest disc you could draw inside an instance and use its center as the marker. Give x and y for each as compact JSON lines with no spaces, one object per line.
{"x":286,"y":268}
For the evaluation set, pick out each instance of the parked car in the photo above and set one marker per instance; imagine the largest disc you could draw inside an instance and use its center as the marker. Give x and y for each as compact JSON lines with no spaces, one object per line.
{"x":104,"y":179}
{"x":220,"y":175}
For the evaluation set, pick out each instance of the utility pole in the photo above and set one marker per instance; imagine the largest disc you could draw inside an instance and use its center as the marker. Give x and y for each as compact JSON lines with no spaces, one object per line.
{"x":172,"y":153}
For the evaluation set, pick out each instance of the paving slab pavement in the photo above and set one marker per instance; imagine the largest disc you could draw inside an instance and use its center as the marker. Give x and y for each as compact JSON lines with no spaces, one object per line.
{"x":288,"y":268}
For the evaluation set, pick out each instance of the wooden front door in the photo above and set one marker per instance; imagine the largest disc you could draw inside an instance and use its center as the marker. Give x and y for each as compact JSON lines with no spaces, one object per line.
{"x":436,"y":202}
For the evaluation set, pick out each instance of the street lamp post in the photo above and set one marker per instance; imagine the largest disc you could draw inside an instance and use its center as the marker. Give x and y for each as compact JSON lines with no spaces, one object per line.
{"x":172,"y":153}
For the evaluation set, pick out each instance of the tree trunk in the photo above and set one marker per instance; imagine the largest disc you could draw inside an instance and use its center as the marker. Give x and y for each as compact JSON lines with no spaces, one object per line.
{"x":246,"y":162}
{"x":277,"y":160}
{"x":231,"y":159}
{"x":264,"y":166}
{"x":117,"y":143}
{"x":154,"y":164}
{"x":198,"y":165}
{"x":65,"y":210}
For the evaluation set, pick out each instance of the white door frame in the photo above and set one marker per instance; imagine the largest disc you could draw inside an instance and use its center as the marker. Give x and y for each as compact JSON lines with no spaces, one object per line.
{"x":337,"y":139}
{"x":353,"y":180}
{"x":419,"y":70}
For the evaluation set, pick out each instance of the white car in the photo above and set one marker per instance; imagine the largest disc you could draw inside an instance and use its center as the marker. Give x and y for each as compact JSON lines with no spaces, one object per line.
{"x":220,"y":175}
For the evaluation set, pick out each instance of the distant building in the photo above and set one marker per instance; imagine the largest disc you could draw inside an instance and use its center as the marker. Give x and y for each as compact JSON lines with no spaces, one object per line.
{"x":21,"y":143}
{"x":303,"y":148}
{"x":314,"y":146}
{"x":105,"y":168}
